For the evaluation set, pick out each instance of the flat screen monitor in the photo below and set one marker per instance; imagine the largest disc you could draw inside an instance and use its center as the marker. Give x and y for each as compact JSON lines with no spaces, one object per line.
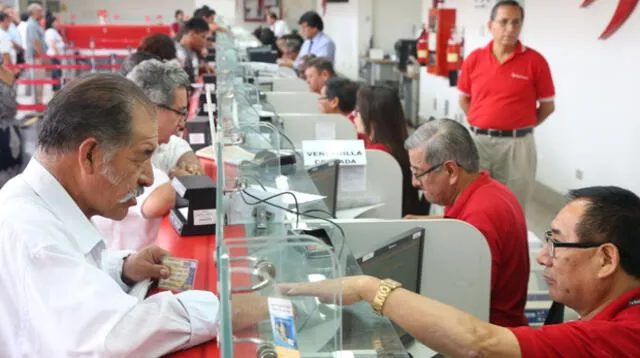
{"x":400,"y":259}
{"x":325,"y":178}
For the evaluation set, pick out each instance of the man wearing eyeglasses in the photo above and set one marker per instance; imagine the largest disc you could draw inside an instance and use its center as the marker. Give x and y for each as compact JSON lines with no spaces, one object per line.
{"x":445,"y":166}
{"x":500,"y":88}
{"x":165,"y":83}
{"x":592,"y":265}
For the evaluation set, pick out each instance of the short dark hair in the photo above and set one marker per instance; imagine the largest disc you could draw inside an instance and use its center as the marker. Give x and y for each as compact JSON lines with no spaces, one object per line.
{"x":160,"y":45}
{"x":178,"y":12}
{"x":204,"y":11}
{"x":134,"y":59}
{"x":273,"y":15}
{"x":98,"y":105}
{"x":322,"y":64}
{"x":494,"y":10}
{"x":312,"y":19}
{"x":612,"y":215}
{"x":4,"y":16}
{"x":345,"y":90}
{"x":24,"y":16}
{"x":196,"y":24}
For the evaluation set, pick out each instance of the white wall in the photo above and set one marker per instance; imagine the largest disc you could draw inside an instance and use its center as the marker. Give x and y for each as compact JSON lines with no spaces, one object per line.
{"x":393,"y":20}
{"x":596,"y":122}
{"x":350,"y":26}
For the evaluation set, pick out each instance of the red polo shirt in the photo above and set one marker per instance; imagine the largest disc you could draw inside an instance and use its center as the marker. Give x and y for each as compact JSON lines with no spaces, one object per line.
{"x":504,"y":95}
{"x":614,"y":332}
{"x":493,"y":209}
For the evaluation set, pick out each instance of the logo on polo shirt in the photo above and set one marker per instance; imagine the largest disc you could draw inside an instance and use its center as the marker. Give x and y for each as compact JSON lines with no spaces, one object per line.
{"x":522,"y":77}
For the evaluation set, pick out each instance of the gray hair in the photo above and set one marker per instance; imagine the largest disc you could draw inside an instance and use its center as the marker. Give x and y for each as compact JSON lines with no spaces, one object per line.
{"x":34,"y":7}
{"x":158,"y":80}
{"x":97,"y":105}
{"x":292,"y":44}
{"x":445,"y":139}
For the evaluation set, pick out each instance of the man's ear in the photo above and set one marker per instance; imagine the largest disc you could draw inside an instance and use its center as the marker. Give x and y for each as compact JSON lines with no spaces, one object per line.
{"x":453,"y":170}
{"x":89,"y":156}
{"x":335,"y":102}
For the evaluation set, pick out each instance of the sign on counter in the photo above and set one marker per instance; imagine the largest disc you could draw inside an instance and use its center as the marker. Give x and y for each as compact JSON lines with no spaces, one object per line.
{"x":349,"y":152}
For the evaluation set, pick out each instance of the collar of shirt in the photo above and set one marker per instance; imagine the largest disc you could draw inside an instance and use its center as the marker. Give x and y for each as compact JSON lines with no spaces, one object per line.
{"x":317,"y":37}
{"x":620,"y":304}
{"x":457,"y":207}
{"x":520,"y":49}
{"x":47,"y":187}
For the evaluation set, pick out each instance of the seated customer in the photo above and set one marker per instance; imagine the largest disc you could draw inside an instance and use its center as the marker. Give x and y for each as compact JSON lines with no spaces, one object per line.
{"x":318,"y":72}
{"x":591,"y":265}
{"x":289,"y":46}
{"x":63,"y":294}
{"x":159,"y":45}
{"x":166,"y":86}
{"x":304,"y":64}
{"x":175,"y":157}
{"x":380,"y":122}
{"x":445,"y":164}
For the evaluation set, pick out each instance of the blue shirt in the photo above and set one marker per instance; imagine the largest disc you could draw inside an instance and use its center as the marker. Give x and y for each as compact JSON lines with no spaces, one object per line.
{"x":321,"y":45}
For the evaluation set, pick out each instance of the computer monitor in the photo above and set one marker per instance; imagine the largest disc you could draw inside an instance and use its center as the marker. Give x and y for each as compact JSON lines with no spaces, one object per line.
{"x":262,"y":54}
{"x":400,"y":259}
{"x":325,"y":178}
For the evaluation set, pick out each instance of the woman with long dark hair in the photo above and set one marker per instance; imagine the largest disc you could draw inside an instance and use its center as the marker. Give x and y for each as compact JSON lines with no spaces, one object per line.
{"x":380,"y":121}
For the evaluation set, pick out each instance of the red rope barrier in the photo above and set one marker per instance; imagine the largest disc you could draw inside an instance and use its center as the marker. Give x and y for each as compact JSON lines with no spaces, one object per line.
{"x":38,"y":82}
{"x":50,"y":67}
{"x":32,"y":107}
{"x":83,"y":57}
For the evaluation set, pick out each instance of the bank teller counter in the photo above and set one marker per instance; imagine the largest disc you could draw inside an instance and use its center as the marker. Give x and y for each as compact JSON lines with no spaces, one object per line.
{"x":282,"y":84}
{"x":294,"y":102}
{"x":315,"y":126}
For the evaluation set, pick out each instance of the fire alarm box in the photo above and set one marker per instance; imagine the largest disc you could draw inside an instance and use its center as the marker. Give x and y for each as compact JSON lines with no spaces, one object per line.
{"x":441,"y":23}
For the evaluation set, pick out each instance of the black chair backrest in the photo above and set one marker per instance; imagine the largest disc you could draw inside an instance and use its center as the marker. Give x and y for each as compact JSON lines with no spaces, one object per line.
{"x":556,"y":314}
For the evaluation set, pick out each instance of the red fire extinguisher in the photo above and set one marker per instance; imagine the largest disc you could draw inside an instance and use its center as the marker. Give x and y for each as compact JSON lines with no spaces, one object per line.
{"x":454,"y":53}
{"x":423,"y":47}
{"x":454,"y":57}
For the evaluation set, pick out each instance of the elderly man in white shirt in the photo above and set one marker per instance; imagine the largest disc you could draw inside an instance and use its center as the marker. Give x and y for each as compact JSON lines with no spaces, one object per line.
{"x":63,"y":295}
{"x":165,"y":83}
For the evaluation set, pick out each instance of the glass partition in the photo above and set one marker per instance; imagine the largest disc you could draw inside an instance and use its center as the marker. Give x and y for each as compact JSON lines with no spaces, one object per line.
{"x":267,"y":205}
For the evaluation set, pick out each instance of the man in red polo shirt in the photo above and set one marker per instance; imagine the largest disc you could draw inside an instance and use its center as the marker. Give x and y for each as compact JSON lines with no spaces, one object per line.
{"x":592,"y":264}
{"x":445,"y":165}
{"x":500,"y":87}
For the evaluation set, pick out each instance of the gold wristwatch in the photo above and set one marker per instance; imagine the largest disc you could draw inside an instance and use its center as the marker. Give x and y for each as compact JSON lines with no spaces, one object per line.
{"x":386,"y":287}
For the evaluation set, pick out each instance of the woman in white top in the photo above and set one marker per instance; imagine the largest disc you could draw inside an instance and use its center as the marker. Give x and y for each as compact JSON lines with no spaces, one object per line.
{"x":55,"y":46}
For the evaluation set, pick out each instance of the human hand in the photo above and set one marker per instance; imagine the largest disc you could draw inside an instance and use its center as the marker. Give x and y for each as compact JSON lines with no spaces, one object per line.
{"x":353,"y":288}
{"x":421,"y":217}
{"x":146,"y":264}
{"x":185,"y":170}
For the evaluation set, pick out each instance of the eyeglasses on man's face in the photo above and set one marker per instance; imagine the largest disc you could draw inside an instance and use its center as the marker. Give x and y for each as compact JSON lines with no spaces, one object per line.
{"x":420,"y":175}
{"x":181,"y":112}
{"x":552,"y":244}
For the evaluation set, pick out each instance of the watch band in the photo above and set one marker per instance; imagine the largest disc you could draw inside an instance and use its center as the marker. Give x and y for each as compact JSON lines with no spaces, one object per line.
{"x":384,"y":290}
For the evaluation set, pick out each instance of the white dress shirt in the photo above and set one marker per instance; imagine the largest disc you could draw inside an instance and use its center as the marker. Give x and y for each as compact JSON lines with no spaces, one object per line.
{"x":280,"y":28}
{"x":135,"y":231}
{"x":62,"y":294}
{"x":167,"y":155}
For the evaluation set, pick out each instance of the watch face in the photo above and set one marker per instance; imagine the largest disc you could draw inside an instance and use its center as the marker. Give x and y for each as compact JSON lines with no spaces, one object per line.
{"x":392,"y":283}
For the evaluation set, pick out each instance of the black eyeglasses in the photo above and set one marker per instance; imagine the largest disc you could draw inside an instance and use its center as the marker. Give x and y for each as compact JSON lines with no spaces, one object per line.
{"x":553,"y":243}
{"x":182,"y":113}
{"x":418,"y":176}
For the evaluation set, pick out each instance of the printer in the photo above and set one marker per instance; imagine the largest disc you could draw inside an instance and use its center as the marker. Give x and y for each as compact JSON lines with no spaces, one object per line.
{"x":195,"y":209}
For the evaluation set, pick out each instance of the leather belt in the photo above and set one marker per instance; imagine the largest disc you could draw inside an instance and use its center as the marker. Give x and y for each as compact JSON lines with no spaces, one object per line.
{"x":514,"y":133}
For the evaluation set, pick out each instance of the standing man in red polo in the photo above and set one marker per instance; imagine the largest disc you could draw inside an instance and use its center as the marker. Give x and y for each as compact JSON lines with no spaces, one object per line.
{"x":500,"y":87}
